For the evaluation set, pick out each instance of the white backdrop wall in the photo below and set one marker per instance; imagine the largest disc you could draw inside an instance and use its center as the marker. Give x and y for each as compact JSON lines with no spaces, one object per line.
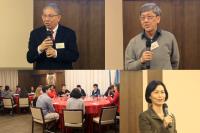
{"x":86,"y":78}
{"x":9,"y":78}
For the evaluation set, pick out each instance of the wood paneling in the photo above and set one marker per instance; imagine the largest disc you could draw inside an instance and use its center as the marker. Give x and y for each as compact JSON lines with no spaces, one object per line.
{"x":181,"y":17}
{"x":28,"y":78}
{"x":131,"y":100}
{"x":87,"y":19}
{"x":154,"y":75}
{"x":25,"y":79}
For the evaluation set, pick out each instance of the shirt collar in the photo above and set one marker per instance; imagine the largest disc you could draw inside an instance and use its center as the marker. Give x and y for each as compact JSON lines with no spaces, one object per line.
{"x":153,"y":113}
{"x":55,"y":29}
{"x":155,"y":37}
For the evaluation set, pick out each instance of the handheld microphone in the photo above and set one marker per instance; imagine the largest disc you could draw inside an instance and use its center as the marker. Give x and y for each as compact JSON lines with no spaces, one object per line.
{"x":166,"y":112}
{"x":50,"y":35}
{"x":148,"y":48}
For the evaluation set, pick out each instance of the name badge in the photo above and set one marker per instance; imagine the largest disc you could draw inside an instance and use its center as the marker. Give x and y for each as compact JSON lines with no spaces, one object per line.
{"x":154,"y":45}
{"x":60,"y":45}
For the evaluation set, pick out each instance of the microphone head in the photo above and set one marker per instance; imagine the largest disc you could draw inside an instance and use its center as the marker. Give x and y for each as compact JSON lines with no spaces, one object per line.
{"x":148,"y":43}
{"x":165,"y":105}
{"x":48,"y":33}
{"x":165,"y":109}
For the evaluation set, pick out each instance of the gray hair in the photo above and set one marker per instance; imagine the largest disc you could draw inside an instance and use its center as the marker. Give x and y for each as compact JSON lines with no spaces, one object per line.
{"x":53,"y":6}
{"x":150,"y":7}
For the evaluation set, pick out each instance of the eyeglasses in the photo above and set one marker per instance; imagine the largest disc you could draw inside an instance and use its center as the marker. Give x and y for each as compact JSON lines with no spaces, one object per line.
{"x":49,"y":16}
{"x":149,"y":18}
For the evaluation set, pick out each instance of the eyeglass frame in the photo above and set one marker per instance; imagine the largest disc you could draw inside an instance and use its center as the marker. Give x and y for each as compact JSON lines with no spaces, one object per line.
{"x":149,"y":18}
{"x":49,"y":16}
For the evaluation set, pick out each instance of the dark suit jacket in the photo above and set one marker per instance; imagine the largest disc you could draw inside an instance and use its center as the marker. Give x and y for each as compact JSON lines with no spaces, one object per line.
{"x":83,"y":92}
{"x":65,"y":56}
{"x":96,"y":93}
{"x":150,"y":122}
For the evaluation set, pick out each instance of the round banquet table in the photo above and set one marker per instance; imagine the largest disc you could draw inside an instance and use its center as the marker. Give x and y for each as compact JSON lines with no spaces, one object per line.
{"x":93,"y":107}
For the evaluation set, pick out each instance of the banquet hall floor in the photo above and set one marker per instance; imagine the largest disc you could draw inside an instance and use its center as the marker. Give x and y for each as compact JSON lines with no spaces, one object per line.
{"x":20,"y":123}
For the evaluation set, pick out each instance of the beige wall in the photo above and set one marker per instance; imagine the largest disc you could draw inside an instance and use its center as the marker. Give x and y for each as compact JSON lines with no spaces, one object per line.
{"x":113,"y":34}
{"x":16,"y":24}
{"x":184,"y":98}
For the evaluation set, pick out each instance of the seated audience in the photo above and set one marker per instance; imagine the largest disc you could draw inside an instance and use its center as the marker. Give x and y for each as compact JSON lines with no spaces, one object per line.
{"x":81,"y":90}
{"x":67,"y":91}
{"x":23,"y":93}
{"x":7,"y":93}
{"x":52,"y":91}
{"x":96,"y":90}
{"x":38,"y":92}
{"x":1,"y":90}
{"x":115,"y":99}
{"x":32,"y":89}
{"x":64,"y":91}
{"x":75,"y":101}
{"x":18,"y":89}
{"x":110,"y":91}
{"x":45,"y":102}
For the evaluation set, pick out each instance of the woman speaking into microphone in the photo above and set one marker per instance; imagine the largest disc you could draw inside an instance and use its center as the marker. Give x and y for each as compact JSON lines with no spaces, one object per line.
{"x":156,"y":118}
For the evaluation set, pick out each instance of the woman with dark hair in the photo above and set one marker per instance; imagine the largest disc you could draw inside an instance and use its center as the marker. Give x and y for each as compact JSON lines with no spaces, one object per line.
{"x":75,"y":101}
{"x":156,"y":119}
{"x":115,"y":99}
{"x":110,"y":91}
{"x":52,"y":92}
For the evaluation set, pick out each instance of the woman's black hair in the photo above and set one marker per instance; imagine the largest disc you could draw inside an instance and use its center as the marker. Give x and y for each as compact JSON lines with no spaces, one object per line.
{"x":151,"y":87}
{"x":75,"y":93}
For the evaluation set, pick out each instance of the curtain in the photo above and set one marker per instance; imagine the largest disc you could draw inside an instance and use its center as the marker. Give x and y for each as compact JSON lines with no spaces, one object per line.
{"x":86,"y":78}
{"x":10,"y":78}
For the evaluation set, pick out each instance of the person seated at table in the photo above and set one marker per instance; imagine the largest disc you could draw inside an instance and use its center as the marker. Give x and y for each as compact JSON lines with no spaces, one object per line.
{"x":64,"y":91}
{"x":7,"y":93}
{"x":32,"y":90}
{"x":38,"y":92}
{"x":96,"y":90}
{"x":52,"y":92}
{"x":67,"y":92}
{"x":75,"y":101}
{"x":45,"y":102}
{"x":18,"y":89}
{"x":115,"y":99}
{"x":23,"y":93}
{"x":81,"y":90}
{"x":110,"y":91}
{"x":1,"y":90}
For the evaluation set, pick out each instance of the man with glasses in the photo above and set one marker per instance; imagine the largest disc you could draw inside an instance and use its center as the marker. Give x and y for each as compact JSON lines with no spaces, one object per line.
{"x":52,"y":46}
{"x":153,"y":48}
